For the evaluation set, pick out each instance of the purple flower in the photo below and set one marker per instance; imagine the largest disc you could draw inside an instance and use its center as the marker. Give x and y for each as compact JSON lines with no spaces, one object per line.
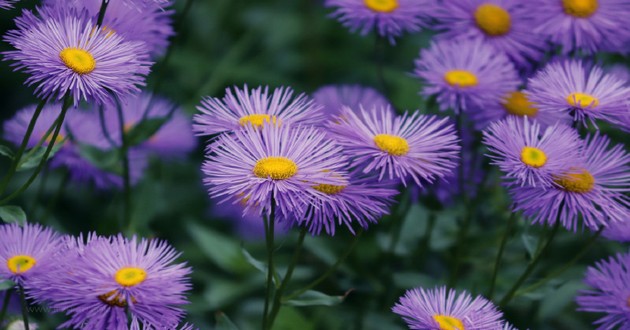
{"x":618,"y":231}
{"x":528,"y":155}
{"x":592,"y":188}
{"x":26,"y":252}
{"x":110,"y":277}
{"x":7,"y":4}
{"x":583,"y":25}
{"x":334,"y":97}
{"x":441,"y":309}
{"x":63,"y":52}
{"x":465,"y":74}
{"x":360,"y":199}
{"x":506,"y":25}
{"x":581,"y":90}
{"x":412,"y":145}
{"x":388,"y":18}
{"x":258,"y":165}
{"x":609,"y":282}
{"x":151,"y":25}
{"x":256,"y":108}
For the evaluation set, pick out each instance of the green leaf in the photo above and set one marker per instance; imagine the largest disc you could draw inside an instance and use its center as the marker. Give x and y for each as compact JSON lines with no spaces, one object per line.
{"x":12,"y":214}
{"x":6,"y":285}
{"x":106,"y":160}
{"x":6,"y":151}
{"x":557,"y":301}
{"x":224,"y":322}
{"x":144,"y":130}
{"x":316,"y":298}
{"x":222,"y":250}
{"x":529,"y":242}
{"x":32,"y":159}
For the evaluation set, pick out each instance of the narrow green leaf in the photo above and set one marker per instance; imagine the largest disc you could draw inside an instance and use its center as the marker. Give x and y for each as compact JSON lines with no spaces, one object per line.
{"x":221,"y":249}
{"x":144,"y":130}
{"x":13,"y":214}
{"x":315,"y":298}
{"x":32,"y":160}
{"x":224,"y":322}
{"x":261,"y":266}
{"x":6,"y":285}
{"x":6,"y":151}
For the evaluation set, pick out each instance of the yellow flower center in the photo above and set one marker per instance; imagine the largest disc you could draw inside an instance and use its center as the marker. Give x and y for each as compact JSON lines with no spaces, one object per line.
{"x":78,"y":60}
{"x":329,"y":189}
{"x":493,"y":19}
{"x":20,"y":264}
{"x":257,"y":120}
{"x":576,"y":180}
{"x":516,"y":103}
{"x":580,"y":8}
{"x":461,"y":78}
{"x":382,"y":6}
{"x":449,"y":322}
{"x":392,"y":144}
{"x":533,"y":157}
{"x":130,"y":276}
{"x":582,"y":100}
{"x":276,"y":168}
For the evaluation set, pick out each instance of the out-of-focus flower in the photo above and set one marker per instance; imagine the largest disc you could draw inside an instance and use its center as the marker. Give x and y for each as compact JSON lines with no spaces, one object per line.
{"x":335,"y":97}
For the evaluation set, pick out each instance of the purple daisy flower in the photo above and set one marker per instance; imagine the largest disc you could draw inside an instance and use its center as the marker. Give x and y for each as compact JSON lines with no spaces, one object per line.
{"x":334,"y":97}
{"x":255,"y":108}
{"x":411,"y":145}
{"x":528,"y":155}
{"x":273,"y":163}
{"x":506,"y":25}
{"x":361,"y":199}
{"x":152,"y":25}
{"x":584,"y":91}
{"x":111,"y":277}
{"x":441,"y":309}
{"x":465,"y":74}
{"x":388,"y":18}
{"x":583,"y":25}
{"x":609,"y":292}
{"x":63,"y":53}
{"x":618,"y":231}
{"x":26,"y":252}
{"x":592,"y":188}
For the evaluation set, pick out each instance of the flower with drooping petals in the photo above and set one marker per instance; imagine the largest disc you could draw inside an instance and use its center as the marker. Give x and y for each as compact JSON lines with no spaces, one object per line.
{"x":335,"y":97}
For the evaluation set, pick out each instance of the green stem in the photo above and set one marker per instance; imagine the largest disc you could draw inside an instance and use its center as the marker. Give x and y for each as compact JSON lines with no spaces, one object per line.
{"x":20,"y":152}
{"x":530,"y":267}
{"x":5,"y":305}
{"x":124,"y":153}
{"x":566,"y":266}
{"x":329,"y":272}
{"x":24,"y":307}
{"x":497,"y":261}
{"x":59,"y":123}
{"x":285,"y":282}
{"x":269,"y":238}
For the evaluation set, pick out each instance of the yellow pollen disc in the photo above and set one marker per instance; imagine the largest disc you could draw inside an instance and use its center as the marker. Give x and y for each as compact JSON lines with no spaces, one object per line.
{"x":78,"y":60}
{"x":576,"y":180}
{"x":382,"y":6}
{"x":582,"y":100}
{"x":130,"y":276}
{"x":276,"y":168}
{"x":329,"y":189}
{"x":580,"y":8}
{"x":533,"y":157}
{"x":392,"y":144}
{"x":449,"y":322}
{"x":113,"y":298}
{"x":257,"y":120}
{"x":493,"y":19}
{"x":516,"y":103}
{"x":20,"y":264}
{"x":461,"y":78}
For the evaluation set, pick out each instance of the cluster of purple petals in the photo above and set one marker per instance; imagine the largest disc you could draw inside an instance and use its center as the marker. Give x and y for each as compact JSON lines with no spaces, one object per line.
{"x":7,"y":4}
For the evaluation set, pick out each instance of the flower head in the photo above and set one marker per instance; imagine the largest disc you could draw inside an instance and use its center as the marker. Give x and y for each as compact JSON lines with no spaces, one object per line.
{"x":409,"y":146}
{"x":529,"y":155}
{"x":257,"y":108}
{"x":388,"y":18}
{"x":447,"y":310}
{"x":506,"y":25}
{"x":592,"y":188}
{"x":258,"y":166}
{"x":465,"y":74}
{"x":335,"y":97}
{"x":583,"y":91}
{"x":26,"y":252}
{"x":63,"y":51}
{"x":609,"y":282}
